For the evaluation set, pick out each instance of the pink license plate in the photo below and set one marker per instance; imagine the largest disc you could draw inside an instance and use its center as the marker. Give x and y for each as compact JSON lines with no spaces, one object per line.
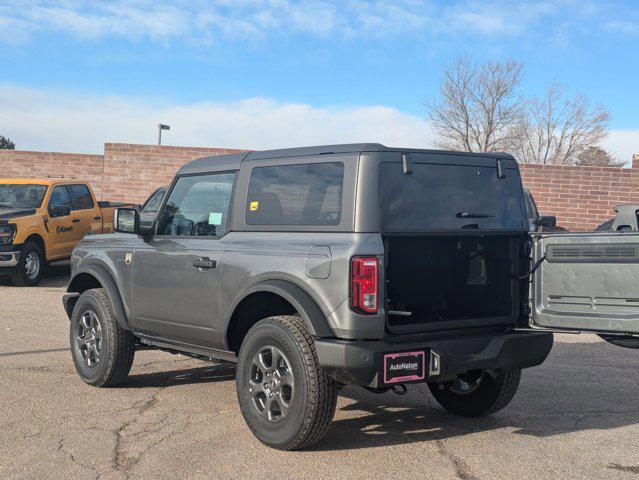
{"x":404,"y":367}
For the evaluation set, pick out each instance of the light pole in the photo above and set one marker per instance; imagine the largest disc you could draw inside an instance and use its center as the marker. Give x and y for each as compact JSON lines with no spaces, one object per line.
{"x":161,"y":127}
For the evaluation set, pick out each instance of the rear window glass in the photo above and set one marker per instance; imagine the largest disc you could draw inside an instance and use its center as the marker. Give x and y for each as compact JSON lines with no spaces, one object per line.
{"x":443,"y":196}
{"x":308,"y":194}
{"x":82,"y":196}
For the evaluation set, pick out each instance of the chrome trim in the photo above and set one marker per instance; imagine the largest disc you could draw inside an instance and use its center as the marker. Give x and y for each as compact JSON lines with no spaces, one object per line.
{"x":434,"y":365}
{"x":15,"y":257}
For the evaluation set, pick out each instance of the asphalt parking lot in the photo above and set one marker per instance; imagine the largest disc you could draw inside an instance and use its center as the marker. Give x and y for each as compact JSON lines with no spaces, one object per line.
{"x":577,"y":416}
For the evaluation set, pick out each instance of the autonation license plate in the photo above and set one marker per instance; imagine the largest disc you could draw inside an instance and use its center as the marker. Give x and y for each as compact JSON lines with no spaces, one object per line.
{"x":404,"y":367}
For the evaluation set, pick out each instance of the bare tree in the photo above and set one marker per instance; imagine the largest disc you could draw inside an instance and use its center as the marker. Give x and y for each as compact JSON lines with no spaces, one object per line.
{"x":557,"y":130}
{"x":478,"y":106}
{"x":598,"y":157}
{"x":6,"y":144}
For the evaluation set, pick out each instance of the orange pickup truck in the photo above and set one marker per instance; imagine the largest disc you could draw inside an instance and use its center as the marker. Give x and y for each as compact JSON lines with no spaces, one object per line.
{"x":41,"y":221}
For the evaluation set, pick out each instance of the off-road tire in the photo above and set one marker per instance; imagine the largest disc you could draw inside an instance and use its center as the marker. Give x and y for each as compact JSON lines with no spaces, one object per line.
{"x":20,"y":278}
{"x":489,"y":397}
{"x":118,"y":345}
{"x":315,"y":394}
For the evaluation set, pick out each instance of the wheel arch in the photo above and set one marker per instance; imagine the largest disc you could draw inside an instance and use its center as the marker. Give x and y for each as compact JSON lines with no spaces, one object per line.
{"x":39,"y":241}
{"x":270,"y":298}
{"x":96,"y":276}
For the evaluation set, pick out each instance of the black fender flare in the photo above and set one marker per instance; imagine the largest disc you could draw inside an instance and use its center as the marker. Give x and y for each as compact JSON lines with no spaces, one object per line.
{"x":106,"y":280}
{"x":311,"y":313}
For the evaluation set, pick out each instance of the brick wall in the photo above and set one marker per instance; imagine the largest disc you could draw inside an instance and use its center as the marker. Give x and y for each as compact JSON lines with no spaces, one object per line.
{"x":126,"y":172}
{"x":18,"y":163}
{"x":132,"y":172}
{"x":581,"y":197}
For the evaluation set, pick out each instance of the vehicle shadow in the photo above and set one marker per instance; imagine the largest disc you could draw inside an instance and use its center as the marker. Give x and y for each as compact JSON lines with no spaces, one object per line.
{"x":583,"y":386}
{"x":55,"y":275}
{"x":221,"y":372}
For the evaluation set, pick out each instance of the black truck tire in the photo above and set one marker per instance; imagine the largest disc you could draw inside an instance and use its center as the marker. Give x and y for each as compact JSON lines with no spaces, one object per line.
{"x":30,"y":266}
{"x":286,"y":398}
{"x":102,"y":351}
{"x":488,"y":394}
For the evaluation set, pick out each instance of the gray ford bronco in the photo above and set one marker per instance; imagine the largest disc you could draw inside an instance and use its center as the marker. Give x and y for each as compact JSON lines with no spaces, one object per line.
{"x":312,"y":268}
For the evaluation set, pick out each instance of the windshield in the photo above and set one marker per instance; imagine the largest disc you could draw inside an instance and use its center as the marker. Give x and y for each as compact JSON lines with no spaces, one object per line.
{"x":445,"y":197}
{"x":21,"y":195}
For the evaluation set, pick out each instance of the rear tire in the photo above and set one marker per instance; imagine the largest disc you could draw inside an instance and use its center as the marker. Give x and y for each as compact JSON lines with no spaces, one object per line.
{"x":477,"y":396}
{"x":102,"y":351}
{"x":31,"y":265}
{"x":288,"y":403}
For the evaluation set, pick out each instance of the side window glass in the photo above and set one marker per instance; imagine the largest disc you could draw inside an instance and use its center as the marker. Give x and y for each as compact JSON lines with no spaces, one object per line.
{"x":60,"y":197}
{"x":153,"y":204}
{"x":198,"y":206}
{"x":82,"y":197}
{"x":304,"y":194}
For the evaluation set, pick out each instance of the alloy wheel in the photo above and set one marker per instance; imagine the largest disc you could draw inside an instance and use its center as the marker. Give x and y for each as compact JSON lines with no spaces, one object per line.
{"x":271,"y":383}
{"x":89,"y":338}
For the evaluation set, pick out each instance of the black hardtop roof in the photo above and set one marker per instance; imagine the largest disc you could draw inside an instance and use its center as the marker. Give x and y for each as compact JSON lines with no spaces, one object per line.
{"x":234,"y":160}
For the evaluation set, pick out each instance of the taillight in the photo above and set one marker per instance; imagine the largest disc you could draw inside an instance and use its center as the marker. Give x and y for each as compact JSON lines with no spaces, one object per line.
{"x":364,"y":284}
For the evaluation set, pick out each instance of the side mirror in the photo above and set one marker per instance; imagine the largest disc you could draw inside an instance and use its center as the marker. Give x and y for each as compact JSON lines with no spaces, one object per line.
{"x":60,"y":211}
{"x":547,"y":221}
{"x":126,"y":220}
{"x":137,"y":207}
{"x":145,"y":229}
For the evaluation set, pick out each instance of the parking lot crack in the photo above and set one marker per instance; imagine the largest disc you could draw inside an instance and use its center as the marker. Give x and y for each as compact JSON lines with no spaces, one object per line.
{"x":61,"y":448}
{"x":625,"y":468}
{"x":123,"y":458}
{"x":462,"y":470}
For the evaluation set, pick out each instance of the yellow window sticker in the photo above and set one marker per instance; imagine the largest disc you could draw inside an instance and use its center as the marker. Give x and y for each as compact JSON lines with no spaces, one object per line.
{"x":254,"y":206}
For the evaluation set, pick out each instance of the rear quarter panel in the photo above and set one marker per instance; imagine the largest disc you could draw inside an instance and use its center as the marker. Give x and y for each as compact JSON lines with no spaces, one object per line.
{"x":254,"y":257}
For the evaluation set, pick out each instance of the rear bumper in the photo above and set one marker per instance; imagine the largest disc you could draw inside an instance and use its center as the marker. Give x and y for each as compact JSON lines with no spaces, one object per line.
{"x":362,"y":362}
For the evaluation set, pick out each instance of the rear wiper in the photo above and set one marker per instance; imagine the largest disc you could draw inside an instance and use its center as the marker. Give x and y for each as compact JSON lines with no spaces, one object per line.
{"x":473,"y":215}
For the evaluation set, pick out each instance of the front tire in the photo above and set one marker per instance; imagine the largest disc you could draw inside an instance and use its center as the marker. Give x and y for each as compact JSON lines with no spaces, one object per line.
{"x":102,"y":351}
{"x":477,"y":394}
{"x":286,"y":398}
{"x":31,"y":265}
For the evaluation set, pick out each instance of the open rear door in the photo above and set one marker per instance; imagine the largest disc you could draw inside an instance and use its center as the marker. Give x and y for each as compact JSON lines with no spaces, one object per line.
{"x":587,"y":282}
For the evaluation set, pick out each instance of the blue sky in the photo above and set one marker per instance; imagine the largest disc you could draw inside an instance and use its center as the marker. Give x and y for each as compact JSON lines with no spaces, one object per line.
{"x":262,"y":74}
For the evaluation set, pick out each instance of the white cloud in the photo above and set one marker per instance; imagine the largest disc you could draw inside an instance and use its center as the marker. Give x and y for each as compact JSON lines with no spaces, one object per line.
{"x":57,"y":121}
{"x":623,"y":144}
{"x":623,"y":27}
{"x":54,"y":121}
{"x":208,"y":22}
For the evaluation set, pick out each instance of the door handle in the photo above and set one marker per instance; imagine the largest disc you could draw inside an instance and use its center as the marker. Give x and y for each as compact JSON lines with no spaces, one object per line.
{"x":97,"y":218}
{"x":76,"y":220}
{"x":205,"y":263}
